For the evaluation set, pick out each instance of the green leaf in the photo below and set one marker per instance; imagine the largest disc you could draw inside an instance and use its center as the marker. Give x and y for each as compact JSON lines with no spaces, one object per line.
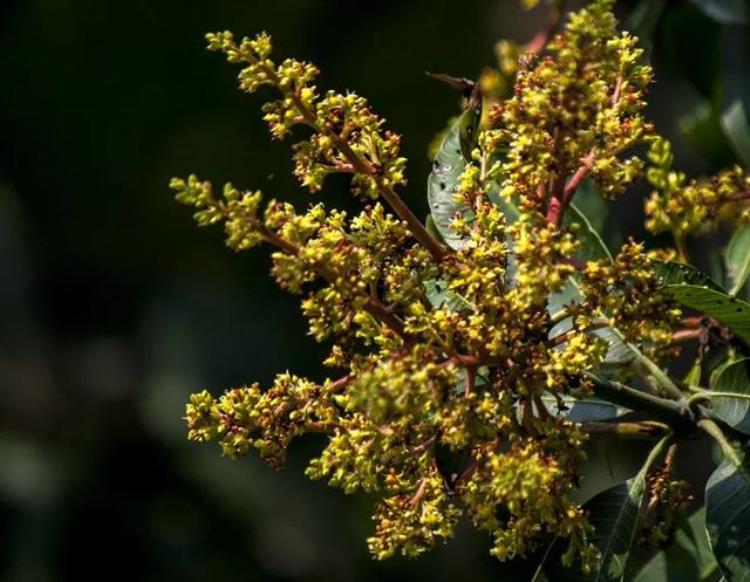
{"x":589,"y":201}
{"x":719,"y":369}
{"x":432,"y":228}
{"x":676,"y":273}
{"x":582,"y":410}
{"x":694,"y":375}
{"x":688,"y":559}
{"x":643,"y":21}
{"x":468,"y":126}
{"x":610,"y":460}
{"x":592,"y":245}
{"x":735,"y":125}
{"x":703,"y":130}
{"x":442,"y":184}
{"x":440,"y":295}
{"x":618,"y":352}
{"x":728,"y":518}
{"x":737,"y":257}
{"x":735,"y":411}
{"x":511,"y":213}
{"x":732,"y":312}
{"x":614,"y":515}
{"x":700,"y":61}
{"x":724,"y":11}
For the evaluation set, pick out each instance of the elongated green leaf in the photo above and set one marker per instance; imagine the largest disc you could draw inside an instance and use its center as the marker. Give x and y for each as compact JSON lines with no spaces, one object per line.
{"x":734,"y":379}
{"x":468,"y":127}
{"x":678,"y":274}
{"x":442,"y":184}
{"x":511,"y":213}
{"x":728,"y":519}
{"x":735,"y":125}
{"x":643,"y":20}
{"x":737,"y":257}
{"x":701,"y":126}
{"x":591,"y":203}
{"x":688,"y":559}
{"x":724,"y":11}
{"x":614,"y":515}
{"x":592,"y":245}
{"x":582,"y":410}
{"x":732,"y":312}
{"x":719,"y":369}
{"x":694,"y":375}
{"x":429,"y":224}
{"x":610,"y":461}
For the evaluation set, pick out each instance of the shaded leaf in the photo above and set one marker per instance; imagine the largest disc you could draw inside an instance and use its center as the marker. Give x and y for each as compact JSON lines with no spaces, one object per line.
{"x":618,"y":352}
{"x":724,"y":11}
{"x":432,"y":228}
{"x":735,"y":125}
{"x":702,"y":129}
{"x":732,"y":312}
{"x":614,"y":515}
{"x":610,"y":460}
{"x":700,"y":61}
{"x":676,"y":273}
{"x":719,"y":369}
{"x":592,"y":245}
{"x":688,"y":559}
{"x":737,"y":257}
{"x":468,"y":125}
{"x":728,"y":518}
{"x":734,"y":378}
{"x":511,"y":213}
{"x":643,"y":21}
{"x":442,"y":184}
{"x":589,"y":201}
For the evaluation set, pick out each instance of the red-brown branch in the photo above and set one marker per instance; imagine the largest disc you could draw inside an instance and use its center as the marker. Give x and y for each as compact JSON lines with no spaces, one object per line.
{"x":417,"y":498}
{"x":686,"y":335}
{"x":541,"y":38}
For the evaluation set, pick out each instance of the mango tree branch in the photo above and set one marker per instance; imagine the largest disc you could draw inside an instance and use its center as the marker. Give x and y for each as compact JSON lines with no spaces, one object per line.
{"x":713,"y":430}
{"x":617,"y":393}
{"x":644,"y":429}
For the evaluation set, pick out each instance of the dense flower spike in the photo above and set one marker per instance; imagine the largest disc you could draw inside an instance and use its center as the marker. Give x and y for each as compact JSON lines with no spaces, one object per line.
{"x":575,"y":110}
{"x":348,"y":137}
{"x":449,"y":361}
{"x":683,"y":206}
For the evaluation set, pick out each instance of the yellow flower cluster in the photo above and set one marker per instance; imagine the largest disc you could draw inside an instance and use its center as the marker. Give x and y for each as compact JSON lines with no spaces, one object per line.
{"x":627,"y":295}
{"x":245,"y":418}
{"x":575,"y":110}
{"x":445,"y":354}
{"x":413,"y":522}
{"x":532,"y":480}
{"x":683,"y":206}
{"x":348,"y":136}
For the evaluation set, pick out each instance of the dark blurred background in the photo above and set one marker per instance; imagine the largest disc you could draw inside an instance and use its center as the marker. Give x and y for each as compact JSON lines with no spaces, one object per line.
{"x":114,"y":306}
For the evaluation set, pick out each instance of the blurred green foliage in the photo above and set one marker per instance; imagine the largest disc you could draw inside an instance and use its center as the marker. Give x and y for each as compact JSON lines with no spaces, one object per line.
{"x":115,"y":307}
